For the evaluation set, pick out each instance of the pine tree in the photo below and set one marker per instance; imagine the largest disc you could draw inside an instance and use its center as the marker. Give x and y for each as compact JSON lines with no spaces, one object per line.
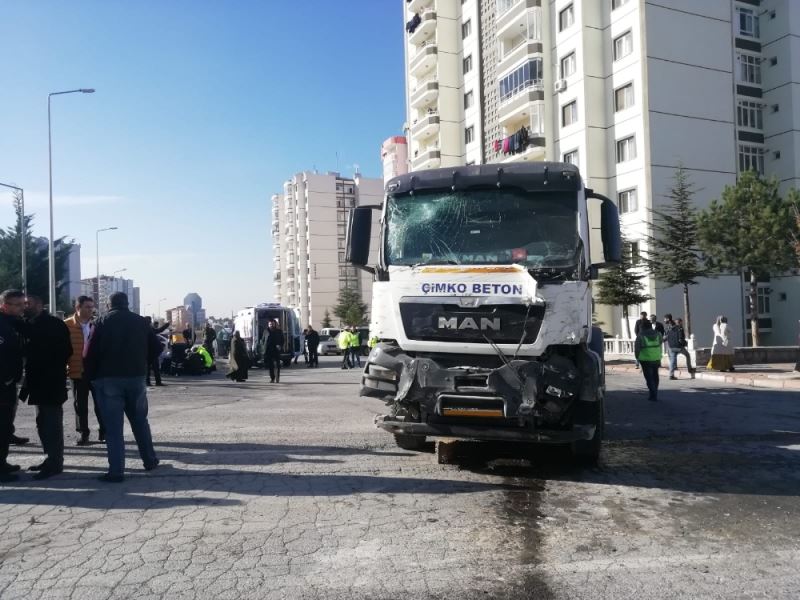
{"x":749,"y":229}
{"x":673,"y":255}
{"x":36,"y":255}
{"x":794,"y":199}
{"x":326,"y":319}
{"x":349,"y":308}
{"x":621,"y":285}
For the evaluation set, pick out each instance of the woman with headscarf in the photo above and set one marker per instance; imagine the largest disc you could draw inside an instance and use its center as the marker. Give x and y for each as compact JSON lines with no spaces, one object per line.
{"x":722,"y":348}
{"x":238,"y":363}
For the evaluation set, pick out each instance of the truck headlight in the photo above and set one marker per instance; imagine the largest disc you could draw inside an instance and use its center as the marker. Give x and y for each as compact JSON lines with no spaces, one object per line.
{"x":382,"y":372}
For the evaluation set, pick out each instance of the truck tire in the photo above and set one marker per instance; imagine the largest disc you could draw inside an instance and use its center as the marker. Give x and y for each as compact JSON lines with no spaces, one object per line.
{"x":409,"y":442}
{"x":587,"y":452}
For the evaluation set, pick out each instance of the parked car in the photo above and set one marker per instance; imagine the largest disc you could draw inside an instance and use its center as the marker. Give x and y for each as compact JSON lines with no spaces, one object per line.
{"x":327,"y":345}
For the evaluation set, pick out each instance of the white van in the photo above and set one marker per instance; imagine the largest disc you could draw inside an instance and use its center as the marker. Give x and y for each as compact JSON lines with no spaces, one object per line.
{"x":251,"y":323}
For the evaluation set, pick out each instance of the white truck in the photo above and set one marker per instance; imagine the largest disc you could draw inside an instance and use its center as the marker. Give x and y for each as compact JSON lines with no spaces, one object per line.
{"x":251,"y":323}
{"x":482,"y":305}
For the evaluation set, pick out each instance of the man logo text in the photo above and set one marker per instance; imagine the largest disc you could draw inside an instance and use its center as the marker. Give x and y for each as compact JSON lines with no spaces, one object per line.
{"x":469,"y":323}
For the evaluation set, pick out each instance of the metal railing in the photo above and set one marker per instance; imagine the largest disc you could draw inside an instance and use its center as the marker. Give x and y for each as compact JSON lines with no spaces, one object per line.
{"x":535,"y":84}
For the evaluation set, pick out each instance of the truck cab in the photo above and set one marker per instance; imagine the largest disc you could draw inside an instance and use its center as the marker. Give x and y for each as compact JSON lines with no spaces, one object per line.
{"x":482,"y":304}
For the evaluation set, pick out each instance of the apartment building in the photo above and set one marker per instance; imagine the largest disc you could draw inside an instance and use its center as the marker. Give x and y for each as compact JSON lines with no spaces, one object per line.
{"x":627,"y":90}
{"x":309,"y":230}
{"x":108,"y":286}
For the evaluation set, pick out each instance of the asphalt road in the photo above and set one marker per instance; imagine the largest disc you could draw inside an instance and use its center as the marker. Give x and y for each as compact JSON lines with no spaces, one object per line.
{"x":288,"y":491}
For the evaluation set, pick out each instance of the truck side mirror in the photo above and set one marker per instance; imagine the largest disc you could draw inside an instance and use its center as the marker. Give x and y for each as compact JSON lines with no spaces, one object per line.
{"x":359,"y":232}
{"x":609,"y":233}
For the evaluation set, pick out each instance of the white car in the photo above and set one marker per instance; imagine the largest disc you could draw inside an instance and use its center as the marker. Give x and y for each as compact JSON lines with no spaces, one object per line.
{"x":327,"y":345}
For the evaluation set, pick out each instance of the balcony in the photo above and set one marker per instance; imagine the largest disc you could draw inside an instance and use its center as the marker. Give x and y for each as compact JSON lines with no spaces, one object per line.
{"x":518,"y":103}
{"x":423,"y":61}
{"x":425,"y":30}
{"x":425,"y":94}
{"x":416,"y":6}
{"x":426,"y":126}
{"x":534,"y":152}
{"x":427,"y":159}
{"x":517,"y":55}
{"x":521,"y":14}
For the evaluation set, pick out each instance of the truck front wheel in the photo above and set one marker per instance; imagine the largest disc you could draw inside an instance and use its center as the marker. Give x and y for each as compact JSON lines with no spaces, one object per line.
{"x":409,"y":442}
{"x":587,"y":452}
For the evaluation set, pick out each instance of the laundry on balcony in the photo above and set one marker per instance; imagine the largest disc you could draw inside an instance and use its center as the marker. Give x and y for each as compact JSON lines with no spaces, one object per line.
{"x":513,"y":144}
{"x":412,"y":25}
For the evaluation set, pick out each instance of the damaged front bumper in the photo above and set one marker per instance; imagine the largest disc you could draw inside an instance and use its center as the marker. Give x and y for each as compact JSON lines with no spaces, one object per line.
{"x":522,"y":400}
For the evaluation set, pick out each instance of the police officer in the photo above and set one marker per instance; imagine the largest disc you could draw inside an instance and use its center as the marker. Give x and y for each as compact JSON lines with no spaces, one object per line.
{"x":12,"y":303}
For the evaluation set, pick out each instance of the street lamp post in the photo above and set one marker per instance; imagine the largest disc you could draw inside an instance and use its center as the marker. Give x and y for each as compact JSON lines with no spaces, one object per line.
{"x":160,"y":300}
{"x":21,"y":235}
{"x":97,"y":257}
{"x":52,"y":253}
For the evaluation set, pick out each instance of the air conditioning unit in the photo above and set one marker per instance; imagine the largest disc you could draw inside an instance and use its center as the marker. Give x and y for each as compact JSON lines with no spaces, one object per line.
{"x":561,"y":85}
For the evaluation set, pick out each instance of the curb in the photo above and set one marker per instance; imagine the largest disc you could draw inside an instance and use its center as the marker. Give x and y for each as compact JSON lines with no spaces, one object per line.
{"x":742,"y":380}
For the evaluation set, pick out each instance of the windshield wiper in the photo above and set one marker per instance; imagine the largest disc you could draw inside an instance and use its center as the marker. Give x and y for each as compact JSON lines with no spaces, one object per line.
{"x":435,"y":262}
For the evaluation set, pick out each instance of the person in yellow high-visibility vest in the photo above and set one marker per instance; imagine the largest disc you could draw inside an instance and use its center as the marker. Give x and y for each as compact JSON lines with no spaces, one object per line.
{"x":343,"y":341}
{"x":355,"y":348}
{"x":648,"y":351}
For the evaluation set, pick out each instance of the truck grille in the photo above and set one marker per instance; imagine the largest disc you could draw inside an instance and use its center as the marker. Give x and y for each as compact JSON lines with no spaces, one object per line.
{"x":442,"y":322}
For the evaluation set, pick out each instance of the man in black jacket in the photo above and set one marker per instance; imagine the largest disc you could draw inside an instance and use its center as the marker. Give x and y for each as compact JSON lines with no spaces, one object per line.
{"x":116,"y":363}
{"x":272,"y":351}
{"x":312,"y":343}
{"x":47,"y":350}
{"x":676,"y":345}
{"x":154,"y":361}
{"x":12,"y":303}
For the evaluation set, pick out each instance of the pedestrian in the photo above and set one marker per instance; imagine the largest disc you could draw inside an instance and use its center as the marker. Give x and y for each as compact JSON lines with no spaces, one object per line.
{"x":272,"y":351}
{"x":637,"y":326}
{"x":659,"y":327}
{"x":343,"y":341}
{"x":302,"y":347}
{"x":116,"y":363}
{"x":188,"y":336}
{"x":208,"y":339}
{"x":355,"y":347}
{"x":312,"y":343}
{"x":239,"y":362}
{"x":47,"y":348}
{"x":12,"y":304}
{"x":79,"y":326}
{"x":677,"y":345}
{"x":722,"y":349}
{"x":648,"y":352}
{"x":154,"y":360}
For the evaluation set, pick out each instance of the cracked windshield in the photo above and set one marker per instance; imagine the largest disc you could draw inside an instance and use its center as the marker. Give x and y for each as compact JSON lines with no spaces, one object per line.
{"x":483,"y":227}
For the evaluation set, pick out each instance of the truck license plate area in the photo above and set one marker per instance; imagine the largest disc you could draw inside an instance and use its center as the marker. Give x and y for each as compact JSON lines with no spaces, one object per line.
{"x":479,"y":407}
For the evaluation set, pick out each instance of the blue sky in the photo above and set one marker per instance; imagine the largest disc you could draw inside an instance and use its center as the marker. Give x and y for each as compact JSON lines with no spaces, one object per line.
{"x":202,"y":110}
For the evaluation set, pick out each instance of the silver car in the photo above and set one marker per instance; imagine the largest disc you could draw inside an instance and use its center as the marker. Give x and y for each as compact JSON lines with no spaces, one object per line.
{"x":327,"y":345}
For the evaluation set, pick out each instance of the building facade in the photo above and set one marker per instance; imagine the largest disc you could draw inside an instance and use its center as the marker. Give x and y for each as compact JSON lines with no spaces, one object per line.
{"x":309,"y":229}
{"x":627,"y":90}
{"x":394,"y":157}
{"x":109,"y":285}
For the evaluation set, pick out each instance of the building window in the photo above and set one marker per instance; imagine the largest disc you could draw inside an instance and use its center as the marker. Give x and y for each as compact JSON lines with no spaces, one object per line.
{"x":341,"y":257}
{"x":566,"y":17}
{"x":623,"y":45}
{"x":626,"y":149}
{"x":750,"y":115}
{"x":751,"y":158}
{"x":469,"y":134}
{"x":571,"y":157}
{"x":749,"y":68}
{"x":467,"y":64}
{"x":748,"y":22}
{"x":568,"y":65}
{"x":623,"y":97}
{"x":633,"y":252}
{"x":525,"y":76}
{"x":469,"y":99}
{"x":466,"y":29}
{"x":627,"y":201}
{"x":569,"y":113}
{"x":764,"y":307}
{"x":615,"y":4}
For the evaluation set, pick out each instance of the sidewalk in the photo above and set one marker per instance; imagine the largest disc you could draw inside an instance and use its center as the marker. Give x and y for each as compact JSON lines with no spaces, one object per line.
{"x":772,"y":376}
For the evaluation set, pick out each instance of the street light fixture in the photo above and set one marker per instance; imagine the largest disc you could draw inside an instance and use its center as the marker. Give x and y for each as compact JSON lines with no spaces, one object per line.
{"x":21,"y":235}
{"x":160,"y":300}
{"x":52,"y":253}
{"x":97,"y":257}
{"x":119,"y":271}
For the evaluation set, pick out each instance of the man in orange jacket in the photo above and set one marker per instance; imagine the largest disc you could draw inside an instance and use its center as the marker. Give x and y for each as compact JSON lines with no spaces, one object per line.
{"x":79,"y":325}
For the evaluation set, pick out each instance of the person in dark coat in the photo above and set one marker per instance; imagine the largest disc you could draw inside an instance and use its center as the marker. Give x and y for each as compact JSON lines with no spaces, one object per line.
{"x":154,"y":363}
{"x":47,"y":351}
{"x":116,"y":364}
{"x":12,"y":303}
{"x":272,"y":351}
{"x":239,"y":362}
{"x":208,"y":339}
{"x":312,"y":343}
{"x":188,"y":335}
